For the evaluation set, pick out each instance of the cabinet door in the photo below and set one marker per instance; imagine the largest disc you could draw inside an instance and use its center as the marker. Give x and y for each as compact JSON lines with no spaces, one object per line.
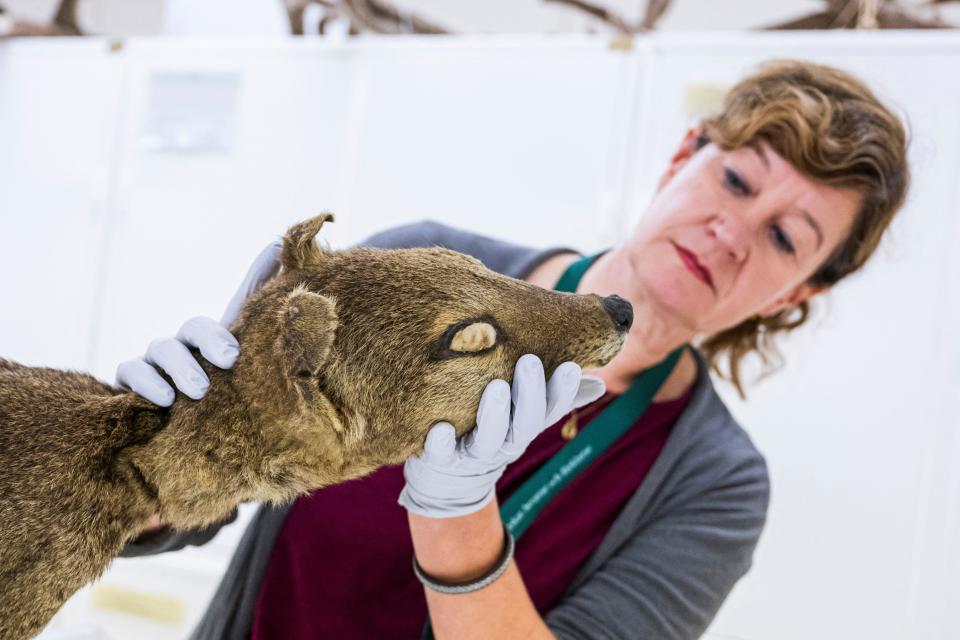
{"x":517,"y":139}
{"x":222,"y":148}
{"x":58,"y":114}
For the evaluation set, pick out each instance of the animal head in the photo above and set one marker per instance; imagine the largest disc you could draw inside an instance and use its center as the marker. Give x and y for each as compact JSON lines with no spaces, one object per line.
{"x":394,"y":341}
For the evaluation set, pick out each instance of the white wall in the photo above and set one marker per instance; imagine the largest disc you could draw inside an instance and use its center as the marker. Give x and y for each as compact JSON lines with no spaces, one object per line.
{"x":127,"y":207}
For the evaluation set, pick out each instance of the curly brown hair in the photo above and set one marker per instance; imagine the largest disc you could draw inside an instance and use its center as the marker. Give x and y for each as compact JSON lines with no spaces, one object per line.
{"x":830,"y":127}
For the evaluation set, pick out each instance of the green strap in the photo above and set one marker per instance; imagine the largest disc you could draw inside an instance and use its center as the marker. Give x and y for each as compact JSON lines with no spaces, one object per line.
{"x":523,"y":506}
{"x":572,"y":274}
{"x":519,"y":511}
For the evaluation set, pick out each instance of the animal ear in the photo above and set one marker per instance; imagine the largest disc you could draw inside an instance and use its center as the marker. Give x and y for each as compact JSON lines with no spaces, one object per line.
{"x":299,"y":247}
{"x":476,"y":336}
{"x":309,"y":326}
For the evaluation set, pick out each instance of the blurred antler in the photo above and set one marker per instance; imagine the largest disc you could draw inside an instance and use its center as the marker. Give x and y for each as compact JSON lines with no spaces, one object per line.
{"x":371,"y":16}
{"x":64,"y":24}
{"x":652,"y":13}
{"x":385,"y":18}
{"x":601,"y":13}
{"x":866,"y":14}
{"x":838,"y":14}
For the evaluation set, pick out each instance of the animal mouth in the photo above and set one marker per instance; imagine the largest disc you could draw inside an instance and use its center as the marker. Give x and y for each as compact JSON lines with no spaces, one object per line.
{"x":606,"y":354}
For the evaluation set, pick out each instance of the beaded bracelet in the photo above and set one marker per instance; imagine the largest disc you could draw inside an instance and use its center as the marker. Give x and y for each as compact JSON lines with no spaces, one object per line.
{"x":474,"y":585}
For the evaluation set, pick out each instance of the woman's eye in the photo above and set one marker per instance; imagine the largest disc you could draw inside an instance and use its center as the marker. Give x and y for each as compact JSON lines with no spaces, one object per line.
{"x":735,"y":183}
{"x":781,"y":240}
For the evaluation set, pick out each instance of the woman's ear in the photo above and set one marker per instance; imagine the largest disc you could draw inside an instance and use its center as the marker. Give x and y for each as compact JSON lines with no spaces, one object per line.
{"x":688,"y":147}
{"x":800,"y":293}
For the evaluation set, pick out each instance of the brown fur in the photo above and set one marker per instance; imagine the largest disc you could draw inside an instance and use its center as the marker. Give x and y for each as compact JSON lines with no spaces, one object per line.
{"x":347,"y":359}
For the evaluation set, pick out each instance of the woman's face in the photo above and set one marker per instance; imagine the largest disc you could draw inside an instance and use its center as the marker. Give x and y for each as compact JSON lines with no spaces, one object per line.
{"x":734,"y":233}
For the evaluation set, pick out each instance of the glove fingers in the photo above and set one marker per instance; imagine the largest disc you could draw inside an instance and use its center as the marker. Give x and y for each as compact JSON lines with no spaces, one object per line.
{"x":493,"y":422}
{"x":561,"y":391}
{"x":214,"y":341}
{"x":530,"y":402}
{"x":172,"y":356}
{"x":265,"y":266}
{"x":142,"y":379}
{"x":441,"y":444}
{"x":591,"y":388}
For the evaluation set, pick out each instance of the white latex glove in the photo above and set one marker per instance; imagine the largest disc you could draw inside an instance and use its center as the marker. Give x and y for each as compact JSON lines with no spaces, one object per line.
{"x":215,"y":343}
{"x":454,"y":478}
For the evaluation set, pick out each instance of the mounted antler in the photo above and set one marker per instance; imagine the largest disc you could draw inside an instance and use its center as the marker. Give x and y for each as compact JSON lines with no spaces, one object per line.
{"x":369,"y":16}
{"x":652,"y":13}
{"x":866,"y":14}
{"x":64,"y":24}
{"x":838,"y":14}
{"x":379,"y":16}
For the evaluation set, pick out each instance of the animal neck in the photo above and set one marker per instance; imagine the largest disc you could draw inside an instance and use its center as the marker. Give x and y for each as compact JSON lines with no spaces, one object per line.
{"x":653,"y":335}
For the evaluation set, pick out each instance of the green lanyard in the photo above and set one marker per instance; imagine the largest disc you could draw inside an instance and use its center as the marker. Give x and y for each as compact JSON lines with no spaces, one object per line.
{"x":523,"y":506}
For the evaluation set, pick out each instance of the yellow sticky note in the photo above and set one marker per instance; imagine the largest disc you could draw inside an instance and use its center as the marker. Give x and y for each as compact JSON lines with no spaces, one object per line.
{"x":152,"y":606}
{"x":622,"y":42}
{"x":705,"y":99}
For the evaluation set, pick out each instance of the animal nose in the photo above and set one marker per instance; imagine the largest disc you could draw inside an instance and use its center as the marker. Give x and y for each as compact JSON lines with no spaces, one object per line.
{"x":620,"y":311}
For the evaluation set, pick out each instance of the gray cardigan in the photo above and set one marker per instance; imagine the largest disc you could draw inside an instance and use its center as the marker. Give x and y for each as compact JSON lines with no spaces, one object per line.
{"x":666,"y":564}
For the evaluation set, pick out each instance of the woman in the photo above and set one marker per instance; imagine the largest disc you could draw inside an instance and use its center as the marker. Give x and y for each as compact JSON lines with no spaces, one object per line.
{"x":762,"y":208}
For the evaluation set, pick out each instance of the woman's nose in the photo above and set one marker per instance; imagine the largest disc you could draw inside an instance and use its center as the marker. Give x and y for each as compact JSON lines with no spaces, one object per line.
{"x":732,"y":235}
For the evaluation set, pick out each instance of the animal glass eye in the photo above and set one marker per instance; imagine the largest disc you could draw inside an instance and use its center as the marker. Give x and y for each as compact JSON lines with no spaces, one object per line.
{"x":478,"y":336}
{"x":469,"y":337}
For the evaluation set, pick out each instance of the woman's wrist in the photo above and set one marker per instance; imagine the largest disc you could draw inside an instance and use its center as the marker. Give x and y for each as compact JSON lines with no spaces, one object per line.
{"x":461,"y":548}
{"x":458,"y":588}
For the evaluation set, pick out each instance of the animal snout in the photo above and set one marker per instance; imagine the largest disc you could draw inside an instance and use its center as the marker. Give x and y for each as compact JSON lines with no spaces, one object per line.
{"x":620,"y":311}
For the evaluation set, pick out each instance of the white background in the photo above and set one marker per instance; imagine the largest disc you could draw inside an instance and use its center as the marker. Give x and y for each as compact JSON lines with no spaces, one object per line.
{"x":111,"y":239}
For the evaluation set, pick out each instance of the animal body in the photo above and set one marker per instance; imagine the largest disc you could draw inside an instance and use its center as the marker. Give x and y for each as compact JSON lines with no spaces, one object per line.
{"x":347,"y":358}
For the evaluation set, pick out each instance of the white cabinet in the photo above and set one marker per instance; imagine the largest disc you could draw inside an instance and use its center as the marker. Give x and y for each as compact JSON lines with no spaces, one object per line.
{"x":190,"y":220}
{"x":58,"y":114}
{"x":501,"y":137}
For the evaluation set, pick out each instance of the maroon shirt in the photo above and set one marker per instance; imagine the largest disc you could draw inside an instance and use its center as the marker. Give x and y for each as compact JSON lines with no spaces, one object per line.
{"x":341,"y":565}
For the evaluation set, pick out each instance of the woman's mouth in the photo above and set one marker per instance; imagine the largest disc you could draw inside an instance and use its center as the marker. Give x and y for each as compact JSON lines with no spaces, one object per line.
{"x":690,"y":261}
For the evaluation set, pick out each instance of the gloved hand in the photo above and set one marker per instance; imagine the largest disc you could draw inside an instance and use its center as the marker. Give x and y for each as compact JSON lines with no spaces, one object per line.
{"x":454,"y":478}
{"x":215,"y":342}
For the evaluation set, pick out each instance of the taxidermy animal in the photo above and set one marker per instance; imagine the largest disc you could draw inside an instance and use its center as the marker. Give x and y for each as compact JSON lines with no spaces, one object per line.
{"x":347,"y":358}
